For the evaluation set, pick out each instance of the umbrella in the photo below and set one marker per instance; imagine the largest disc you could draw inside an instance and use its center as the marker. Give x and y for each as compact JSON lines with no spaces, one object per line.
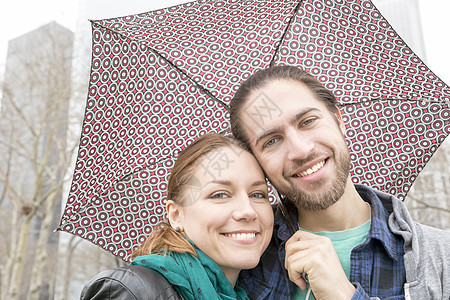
{"x":162,"y":78}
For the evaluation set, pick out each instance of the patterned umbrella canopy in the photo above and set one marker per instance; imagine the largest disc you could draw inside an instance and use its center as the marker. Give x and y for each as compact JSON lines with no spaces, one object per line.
{"x":162,"y":78}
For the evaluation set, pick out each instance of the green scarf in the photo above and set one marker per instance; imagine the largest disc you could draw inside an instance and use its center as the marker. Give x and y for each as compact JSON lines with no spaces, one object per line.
{"x":191,"y":277}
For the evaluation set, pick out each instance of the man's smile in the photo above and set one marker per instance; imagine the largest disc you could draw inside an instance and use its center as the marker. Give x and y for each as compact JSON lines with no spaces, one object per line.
{"x":311,"y":170}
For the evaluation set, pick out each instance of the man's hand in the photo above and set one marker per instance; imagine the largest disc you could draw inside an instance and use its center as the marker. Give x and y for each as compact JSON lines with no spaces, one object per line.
{"x":315,"y":255}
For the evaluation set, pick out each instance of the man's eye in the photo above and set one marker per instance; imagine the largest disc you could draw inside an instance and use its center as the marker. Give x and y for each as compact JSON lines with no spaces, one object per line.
{"x":308,"y":122}
{"x":270,"y":142}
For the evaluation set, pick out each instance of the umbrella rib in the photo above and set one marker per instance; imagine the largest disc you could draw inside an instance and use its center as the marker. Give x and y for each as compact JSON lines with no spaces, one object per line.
{"x":272,"y":61}
{"x":147,"y":167}
{"x":199,"y":86}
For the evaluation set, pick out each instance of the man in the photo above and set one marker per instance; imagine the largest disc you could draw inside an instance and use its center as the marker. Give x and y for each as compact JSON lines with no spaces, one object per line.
{"x":353,"y":242}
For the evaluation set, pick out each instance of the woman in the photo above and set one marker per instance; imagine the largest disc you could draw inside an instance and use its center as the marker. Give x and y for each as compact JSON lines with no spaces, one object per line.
{"x":219,"y":221}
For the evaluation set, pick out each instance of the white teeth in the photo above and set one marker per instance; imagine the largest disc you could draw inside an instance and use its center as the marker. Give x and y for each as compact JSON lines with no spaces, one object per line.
{"x":311,"y":170}
{"x":241,"y":236}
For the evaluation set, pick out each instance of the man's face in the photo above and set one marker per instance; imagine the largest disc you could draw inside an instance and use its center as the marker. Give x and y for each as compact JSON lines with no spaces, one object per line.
{"x":299,"y":143}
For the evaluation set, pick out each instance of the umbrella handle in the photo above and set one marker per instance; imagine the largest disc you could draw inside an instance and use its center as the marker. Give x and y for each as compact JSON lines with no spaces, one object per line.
{"x":285,"y":214}
{"x":291,"y":227}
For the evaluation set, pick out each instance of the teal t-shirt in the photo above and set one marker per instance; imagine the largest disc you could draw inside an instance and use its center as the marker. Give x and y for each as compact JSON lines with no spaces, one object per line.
{"x":343,"y":242}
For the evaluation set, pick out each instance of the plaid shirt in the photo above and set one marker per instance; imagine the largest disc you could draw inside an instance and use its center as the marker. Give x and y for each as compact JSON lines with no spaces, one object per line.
{"x":377,"y":267}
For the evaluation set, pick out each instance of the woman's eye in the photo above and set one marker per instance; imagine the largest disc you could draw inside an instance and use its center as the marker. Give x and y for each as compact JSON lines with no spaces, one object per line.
{"x":219,"y":195}
{"x":260,"y":195}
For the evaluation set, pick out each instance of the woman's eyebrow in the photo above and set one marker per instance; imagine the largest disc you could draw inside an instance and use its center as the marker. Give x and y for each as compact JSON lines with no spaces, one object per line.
{"x":262,"y":182}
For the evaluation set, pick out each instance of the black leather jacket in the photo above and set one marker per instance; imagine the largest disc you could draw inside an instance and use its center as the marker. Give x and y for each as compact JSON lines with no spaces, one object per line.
{"x":130,"y":282}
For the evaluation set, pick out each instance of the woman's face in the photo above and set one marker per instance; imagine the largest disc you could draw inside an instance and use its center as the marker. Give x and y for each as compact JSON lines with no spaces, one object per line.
{"x":226,"y":211}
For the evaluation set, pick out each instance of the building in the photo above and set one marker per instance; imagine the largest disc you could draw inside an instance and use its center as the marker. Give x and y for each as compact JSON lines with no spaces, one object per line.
{"x":34,"y":113}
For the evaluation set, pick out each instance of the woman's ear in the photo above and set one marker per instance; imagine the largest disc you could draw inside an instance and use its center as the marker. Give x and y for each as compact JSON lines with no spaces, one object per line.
{"x":174,"y":214}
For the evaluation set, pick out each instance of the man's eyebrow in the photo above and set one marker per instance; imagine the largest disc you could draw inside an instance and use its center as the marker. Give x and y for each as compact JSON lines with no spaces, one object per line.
{"x":292,"y":121}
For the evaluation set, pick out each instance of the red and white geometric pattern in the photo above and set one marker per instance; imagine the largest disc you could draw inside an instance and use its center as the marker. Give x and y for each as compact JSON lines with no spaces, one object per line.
{"x":160,"y":79}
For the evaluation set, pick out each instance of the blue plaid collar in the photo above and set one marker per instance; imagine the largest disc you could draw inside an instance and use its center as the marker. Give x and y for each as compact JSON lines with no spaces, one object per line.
{"x":379,"y":229}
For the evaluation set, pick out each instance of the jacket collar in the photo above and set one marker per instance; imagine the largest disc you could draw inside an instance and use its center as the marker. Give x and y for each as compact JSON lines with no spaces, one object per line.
{"x":379,"y":230}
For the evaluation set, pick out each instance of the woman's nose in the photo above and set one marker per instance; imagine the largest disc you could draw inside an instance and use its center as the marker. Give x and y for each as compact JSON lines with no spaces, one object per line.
{"x":244,"y":209}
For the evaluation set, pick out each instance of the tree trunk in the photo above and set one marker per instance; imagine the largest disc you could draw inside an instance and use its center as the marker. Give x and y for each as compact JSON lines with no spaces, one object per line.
{"x":18,"y":265}
{"x":11,"y":252}
{"x":41,"y":260}
{"x":73,"y":243}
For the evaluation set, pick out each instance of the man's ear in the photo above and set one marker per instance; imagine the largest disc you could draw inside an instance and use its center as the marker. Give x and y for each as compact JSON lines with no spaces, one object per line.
{"x":174,"y":214}
{"x":339,"y":120}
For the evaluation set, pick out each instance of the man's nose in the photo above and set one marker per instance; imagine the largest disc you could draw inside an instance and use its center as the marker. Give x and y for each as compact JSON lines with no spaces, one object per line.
{"x":299,"y":145}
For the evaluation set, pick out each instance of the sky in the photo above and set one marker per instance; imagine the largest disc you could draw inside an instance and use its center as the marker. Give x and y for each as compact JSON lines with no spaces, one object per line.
{"x":21,"y":16}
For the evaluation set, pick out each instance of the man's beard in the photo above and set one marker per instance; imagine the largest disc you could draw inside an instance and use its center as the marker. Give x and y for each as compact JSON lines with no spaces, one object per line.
{"x":321,"y":197}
